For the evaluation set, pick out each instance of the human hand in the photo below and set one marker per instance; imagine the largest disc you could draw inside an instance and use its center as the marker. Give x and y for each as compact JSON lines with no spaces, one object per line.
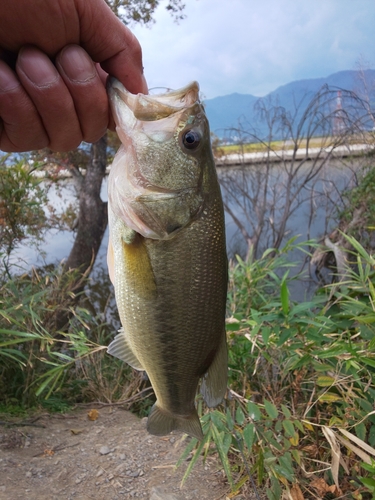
{"x":57,"y":105}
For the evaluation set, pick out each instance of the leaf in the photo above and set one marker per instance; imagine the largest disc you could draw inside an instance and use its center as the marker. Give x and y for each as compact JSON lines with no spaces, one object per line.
{"x":325,"y":381}
{"x":296,"y":493}
{"x":93,"y":415}
{"x":266,"y":333}
{"x":271,"y":409}
{"x":76,"y":431}
{"x":284,"y":295}
{"x":299,"y":426}
{"x":323,"y":488}
{"x":297,"y":456}
{"x":217,"y":436}
{"x":360,"y":430}
{"x":217,"y":419}
{"x":358,"y":451}
{"x":308,"y":426}
{"x":369,"y":483}
{"x":289,"y":428}
{"x":358,"y":441}
{"x":248,"y":435}
{"x":196,"y":455}
{"x":240,"y":416}
{"x":53,"y":377}
{"x":368,"y":361}
{"x":330,"y":397}
{"x":336,"y":453}
{"x":187,"y":450}
{"x":254,"y":411}
{"x":274,"y":493}
{"x":294,"y":440}
{"x":14,"y":354}
{"x":285,"y":411}
{"x":230,"y":422}
{"x":287,"y":464}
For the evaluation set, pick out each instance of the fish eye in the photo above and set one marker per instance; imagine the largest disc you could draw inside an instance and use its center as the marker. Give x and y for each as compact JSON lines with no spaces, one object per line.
{"x":191,"y":139}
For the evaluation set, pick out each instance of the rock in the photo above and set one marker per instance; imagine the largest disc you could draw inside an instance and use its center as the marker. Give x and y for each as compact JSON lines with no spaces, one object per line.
{"x":104,"y":450}
{"x":158,"y":494}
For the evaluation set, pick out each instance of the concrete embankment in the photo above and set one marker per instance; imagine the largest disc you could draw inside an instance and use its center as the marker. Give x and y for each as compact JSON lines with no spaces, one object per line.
{"x":291,"y":155}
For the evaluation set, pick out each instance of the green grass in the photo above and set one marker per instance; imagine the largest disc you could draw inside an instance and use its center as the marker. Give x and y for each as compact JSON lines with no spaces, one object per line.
{"x":302,"y":384}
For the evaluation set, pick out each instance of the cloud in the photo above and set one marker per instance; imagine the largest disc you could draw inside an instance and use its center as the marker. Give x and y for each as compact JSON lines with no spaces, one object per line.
{"x":254,"y":47}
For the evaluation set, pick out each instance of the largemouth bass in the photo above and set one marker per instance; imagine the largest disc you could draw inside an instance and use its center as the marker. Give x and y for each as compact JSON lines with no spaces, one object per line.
{"x":167,"y":256}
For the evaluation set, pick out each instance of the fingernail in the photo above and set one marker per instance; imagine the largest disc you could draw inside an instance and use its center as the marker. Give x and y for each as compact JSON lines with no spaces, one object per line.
{"x":8,"y":79}
{"x":76,"y":64}
{"x":37,"y":67}
{"x":144,"y":85}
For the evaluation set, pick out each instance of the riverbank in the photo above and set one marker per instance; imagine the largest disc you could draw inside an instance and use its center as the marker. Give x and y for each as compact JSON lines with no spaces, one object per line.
{"x":282,"y":155}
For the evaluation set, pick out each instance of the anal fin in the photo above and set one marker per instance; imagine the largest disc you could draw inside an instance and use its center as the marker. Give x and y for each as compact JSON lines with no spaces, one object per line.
{"x":120,"y":348}
{"x":214,"y":382}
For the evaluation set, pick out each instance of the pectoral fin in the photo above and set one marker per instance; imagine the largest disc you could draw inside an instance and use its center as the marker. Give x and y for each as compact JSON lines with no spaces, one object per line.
{"x":214,"y":382}
{"x":120,"y":348}
{"x":138,"y":264}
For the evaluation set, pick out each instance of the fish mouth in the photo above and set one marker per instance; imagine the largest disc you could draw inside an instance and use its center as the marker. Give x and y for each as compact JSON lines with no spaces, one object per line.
{"x":154,"y":107}
{"x":153,"y":196}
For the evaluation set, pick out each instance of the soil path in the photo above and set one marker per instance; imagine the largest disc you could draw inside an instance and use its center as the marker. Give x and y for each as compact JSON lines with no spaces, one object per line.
{"x":63,"y":457}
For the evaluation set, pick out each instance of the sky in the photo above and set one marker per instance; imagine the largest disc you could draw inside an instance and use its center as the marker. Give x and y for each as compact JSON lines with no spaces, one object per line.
{"x":254,"y":46}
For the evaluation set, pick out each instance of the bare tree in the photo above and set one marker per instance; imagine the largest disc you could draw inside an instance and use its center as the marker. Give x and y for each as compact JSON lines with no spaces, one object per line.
{"x":265,"y":191}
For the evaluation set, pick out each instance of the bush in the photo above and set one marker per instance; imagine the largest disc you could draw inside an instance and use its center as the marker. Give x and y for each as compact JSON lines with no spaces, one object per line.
{"x":299,"y":416}
{"x":39,"y":365}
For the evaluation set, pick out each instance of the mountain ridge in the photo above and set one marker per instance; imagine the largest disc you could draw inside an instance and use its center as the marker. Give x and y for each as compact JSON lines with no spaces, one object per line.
{"x":224,"y":112}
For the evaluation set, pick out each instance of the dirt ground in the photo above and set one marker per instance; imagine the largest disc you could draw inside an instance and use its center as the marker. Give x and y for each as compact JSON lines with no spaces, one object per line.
{"x":113,"y":457}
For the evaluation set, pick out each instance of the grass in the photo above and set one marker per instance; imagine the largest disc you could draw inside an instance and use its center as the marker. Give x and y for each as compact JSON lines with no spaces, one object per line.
{"x":299,"y":418}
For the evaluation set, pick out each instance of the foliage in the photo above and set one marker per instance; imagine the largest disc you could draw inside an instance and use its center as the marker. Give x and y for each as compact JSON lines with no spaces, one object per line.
{"x":142,"y":11}
{"x":291,"y":168}
{"x":299,"y":416}
{"x":21,"y":204}
{"x":42,"y":366}
{"x":361,"y":200}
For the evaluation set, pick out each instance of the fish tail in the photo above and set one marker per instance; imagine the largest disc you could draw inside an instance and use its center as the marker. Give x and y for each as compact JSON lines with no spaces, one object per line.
{"x":161,"y":423}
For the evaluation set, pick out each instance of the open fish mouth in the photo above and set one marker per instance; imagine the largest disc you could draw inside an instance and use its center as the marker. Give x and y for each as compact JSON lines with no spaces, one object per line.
{"x":157,"y":106}
{"x":146,"y":189}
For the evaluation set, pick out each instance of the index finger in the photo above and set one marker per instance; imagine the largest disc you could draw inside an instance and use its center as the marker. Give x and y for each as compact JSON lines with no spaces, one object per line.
{"x":112,"y":44}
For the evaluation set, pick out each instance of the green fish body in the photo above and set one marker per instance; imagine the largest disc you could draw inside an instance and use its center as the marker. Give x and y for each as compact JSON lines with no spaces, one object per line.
{"x":167,"y":256}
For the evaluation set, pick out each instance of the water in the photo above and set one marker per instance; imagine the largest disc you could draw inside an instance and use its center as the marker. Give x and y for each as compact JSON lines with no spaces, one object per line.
{"x":312,"y":212}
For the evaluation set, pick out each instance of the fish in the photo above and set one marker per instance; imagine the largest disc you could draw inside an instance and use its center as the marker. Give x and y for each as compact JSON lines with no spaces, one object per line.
{"x":167,"y":253}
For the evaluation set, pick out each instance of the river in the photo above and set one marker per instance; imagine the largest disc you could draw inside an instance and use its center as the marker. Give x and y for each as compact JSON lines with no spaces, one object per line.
{"x":311,"y":217}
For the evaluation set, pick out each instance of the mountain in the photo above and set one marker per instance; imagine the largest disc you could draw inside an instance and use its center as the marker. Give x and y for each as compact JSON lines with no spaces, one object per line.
{"x":225,"y":112}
